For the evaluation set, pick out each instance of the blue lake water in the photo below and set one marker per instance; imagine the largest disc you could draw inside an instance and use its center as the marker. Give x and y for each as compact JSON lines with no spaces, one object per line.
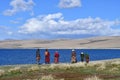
{"x":27,"y":56}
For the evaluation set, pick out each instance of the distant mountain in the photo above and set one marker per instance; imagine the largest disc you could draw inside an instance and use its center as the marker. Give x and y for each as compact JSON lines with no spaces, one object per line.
{"x":94,"y":42}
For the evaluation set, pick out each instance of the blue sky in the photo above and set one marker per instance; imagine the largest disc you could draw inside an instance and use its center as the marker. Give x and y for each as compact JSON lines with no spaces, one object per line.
{"x":54,"y":19}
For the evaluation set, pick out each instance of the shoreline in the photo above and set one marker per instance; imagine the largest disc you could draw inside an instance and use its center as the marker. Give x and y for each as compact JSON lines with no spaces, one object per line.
{"x":59,"y":48}
{"x":106,"y":60}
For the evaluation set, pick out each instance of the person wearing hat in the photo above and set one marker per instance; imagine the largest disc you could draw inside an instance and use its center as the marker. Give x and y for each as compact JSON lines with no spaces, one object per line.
{"x":82,"y":56}
{"x":73,"y":57}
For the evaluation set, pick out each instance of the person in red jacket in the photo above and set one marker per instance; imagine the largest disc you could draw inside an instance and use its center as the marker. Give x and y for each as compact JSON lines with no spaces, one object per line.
{"x":47,"y":56}
{"x":56,"y":55}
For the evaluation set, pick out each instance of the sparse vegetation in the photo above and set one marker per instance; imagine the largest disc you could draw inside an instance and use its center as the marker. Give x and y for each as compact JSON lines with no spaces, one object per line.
{"x":2,"y":72}
{"x":96,"y":70}
{"x":93,"y":78}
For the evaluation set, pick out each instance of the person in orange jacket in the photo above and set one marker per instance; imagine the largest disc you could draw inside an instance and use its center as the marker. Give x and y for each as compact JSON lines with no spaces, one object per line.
{"x":47,"y":56}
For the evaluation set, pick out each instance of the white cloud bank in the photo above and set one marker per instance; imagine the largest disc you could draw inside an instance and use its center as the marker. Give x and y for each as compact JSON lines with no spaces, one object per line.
{"x":54,"y":24}
{"x":69,"y":3}
{"x":19,"y":5}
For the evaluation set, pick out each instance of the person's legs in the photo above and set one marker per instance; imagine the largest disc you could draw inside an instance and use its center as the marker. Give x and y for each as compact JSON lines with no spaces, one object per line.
{"x":37,"y":61}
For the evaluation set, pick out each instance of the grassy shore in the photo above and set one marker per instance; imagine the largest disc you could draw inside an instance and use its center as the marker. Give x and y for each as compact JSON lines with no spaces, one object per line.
{"x":95,"y":70}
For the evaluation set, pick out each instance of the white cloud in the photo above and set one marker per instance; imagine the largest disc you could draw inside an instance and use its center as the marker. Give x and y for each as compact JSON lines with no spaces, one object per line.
{"x":9,"y":33}
{"x":54,"y":24}
{"x":19,"y":5}
{"x":69,"y":3}
{"x":41,"y":23}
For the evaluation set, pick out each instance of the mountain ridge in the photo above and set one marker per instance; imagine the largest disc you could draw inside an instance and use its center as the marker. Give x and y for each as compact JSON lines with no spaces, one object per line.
{"x":91,"y":43}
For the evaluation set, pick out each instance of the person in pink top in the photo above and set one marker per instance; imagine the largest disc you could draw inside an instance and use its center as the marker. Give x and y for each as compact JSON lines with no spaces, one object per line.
{"x":56,"y":55}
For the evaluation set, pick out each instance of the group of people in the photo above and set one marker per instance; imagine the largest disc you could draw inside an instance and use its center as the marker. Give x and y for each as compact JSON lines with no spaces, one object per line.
{"x":82,"y":55}
{"x":56,"y":57}
{"x":47,"y":56}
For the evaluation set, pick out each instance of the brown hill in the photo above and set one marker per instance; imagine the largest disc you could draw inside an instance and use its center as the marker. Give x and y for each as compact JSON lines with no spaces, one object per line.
{"x":94,"y":42}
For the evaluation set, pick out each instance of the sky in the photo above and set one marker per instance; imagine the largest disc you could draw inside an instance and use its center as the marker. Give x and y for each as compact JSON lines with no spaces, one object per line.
{"x":57,"y":19}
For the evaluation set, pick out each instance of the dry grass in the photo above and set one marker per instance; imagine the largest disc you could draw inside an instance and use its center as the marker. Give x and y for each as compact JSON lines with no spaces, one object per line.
{"x":114,"y":70}
{"x":46,"y":77}
{"x":49,"y":77}
{"x":2,"y":72}
{"x":93,"y":78}
{"x":60,"y":66}
{"x":101,"y":66}
{"x":33,"y":68}
{"x":15,"y":69}
{"x":64,"y":66}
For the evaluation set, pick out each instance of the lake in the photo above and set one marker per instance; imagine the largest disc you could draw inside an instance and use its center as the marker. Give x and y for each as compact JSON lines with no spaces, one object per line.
{"x":27,"y":56}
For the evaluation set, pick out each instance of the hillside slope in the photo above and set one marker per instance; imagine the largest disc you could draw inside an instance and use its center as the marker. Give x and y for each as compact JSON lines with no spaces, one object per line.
{"x":95,"y":42}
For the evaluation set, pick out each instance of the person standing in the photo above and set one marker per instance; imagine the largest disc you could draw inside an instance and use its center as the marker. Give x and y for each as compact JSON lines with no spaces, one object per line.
{"x":47,"y":56}
{"x":73,"y":57}
{"x":38,"y":56}
{"x":82,"y":56}
{"x":87,"y":58}
{"x":56,"y":57}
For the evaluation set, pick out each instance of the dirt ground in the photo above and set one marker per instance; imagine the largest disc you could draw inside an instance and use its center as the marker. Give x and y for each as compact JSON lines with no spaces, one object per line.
{"x":59,"y":75}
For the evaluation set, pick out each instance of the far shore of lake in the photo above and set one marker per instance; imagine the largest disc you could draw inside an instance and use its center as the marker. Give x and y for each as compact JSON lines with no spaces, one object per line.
{"x":109,"y":42}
